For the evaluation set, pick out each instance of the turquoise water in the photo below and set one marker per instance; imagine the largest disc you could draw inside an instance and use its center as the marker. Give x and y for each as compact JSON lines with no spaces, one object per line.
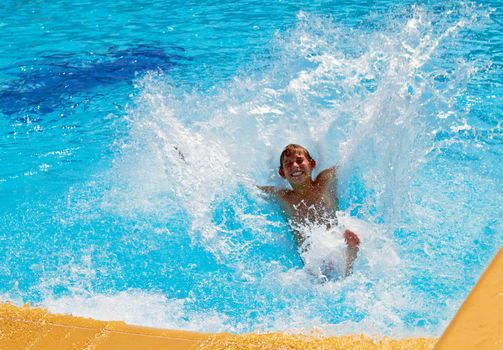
{"x":101,"y":217}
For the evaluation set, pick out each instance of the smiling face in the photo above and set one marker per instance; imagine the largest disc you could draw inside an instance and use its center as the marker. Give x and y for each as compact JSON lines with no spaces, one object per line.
{"x":296,"y":166}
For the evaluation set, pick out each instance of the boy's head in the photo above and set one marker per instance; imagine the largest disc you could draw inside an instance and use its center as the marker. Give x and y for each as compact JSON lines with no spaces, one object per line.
{"x":290,"y":150}
{"x":295,"y":163}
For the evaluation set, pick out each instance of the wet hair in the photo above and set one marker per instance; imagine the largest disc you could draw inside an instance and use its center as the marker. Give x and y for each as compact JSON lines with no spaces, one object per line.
{"x":289,"y":149}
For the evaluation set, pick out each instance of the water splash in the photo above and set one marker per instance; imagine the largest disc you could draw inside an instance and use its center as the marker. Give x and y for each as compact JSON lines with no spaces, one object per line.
{"x":372,"y":105}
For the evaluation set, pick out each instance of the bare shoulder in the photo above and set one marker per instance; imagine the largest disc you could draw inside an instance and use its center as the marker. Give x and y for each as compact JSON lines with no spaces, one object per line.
{"x":284,"y":194}
{"x":327,"y":175}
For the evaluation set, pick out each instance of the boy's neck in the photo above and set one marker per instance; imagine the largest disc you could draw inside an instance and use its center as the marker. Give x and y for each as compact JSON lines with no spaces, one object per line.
{"x":303,"y":188}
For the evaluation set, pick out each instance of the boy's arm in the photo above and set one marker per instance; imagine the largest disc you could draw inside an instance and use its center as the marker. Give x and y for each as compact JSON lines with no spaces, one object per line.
{"x":277,"y":194}
{"x":268,"y":189}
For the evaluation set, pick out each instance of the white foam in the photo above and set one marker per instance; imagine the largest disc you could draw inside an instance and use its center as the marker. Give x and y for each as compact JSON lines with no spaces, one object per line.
{"x":138,"y":308}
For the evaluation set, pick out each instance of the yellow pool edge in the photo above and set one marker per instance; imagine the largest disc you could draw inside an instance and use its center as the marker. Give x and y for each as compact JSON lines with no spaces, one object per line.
{"x":35,"y":328}
{"x":477,"y":325}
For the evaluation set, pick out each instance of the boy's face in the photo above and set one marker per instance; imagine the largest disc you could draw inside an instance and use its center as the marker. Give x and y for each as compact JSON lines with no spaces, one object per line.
{"x":297,"y":168}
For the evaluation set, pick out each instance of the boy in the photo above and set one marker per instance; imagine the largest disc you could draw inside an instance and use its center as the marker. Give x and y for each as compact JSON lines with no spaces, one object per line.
{"x":310,"y":202}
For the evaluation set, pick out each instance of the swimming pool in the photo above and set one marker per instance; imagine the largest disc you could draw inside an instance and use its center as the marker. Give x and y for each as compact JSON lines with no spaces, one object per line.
{"x":101,"y":217}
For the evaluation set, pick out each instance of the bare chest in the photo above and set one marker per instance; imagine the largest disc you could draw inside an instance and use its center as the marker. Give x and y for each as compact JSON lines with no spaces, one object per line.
{"x":312,"y":209}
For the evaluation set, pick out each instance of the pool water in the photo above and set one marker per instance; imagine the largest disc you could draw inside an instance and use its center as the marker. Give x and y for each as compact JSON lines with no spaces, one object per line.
{"x":134,"y":134}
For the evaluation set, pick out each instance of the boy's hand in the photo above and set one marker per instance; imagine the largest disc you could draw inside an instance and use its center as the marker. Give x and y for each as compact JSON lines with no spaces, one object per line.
{"x":351,"y":239}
